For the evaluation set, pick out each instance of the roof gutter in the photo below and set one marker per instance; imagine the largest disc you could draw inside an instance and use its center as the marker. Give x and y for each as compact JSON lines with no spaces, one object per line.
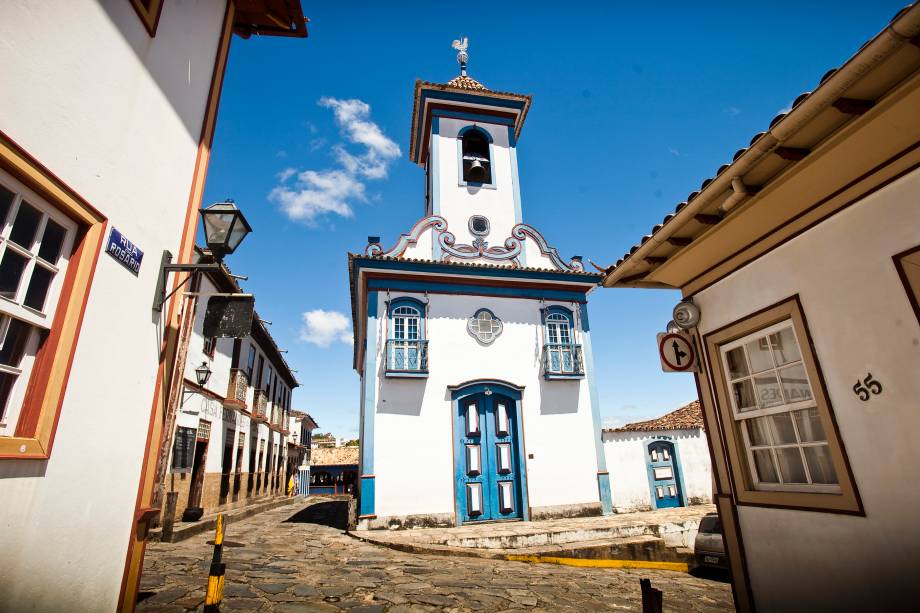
{"x":901,"y":29}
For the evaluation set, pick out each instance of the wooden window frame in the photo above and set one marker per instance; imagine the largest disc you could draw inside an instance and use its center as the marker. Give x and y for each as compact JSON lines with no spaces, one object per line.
{"x":150,"y":16}
{"x":847,"y":500}
{"x":909,"y":277}
{"x":33,"y":437}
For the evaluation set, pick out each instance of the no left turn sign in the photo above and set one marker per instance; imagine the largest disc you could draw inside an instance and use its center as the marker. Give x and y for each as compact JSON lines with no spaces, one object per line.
{"x":676,"y":352}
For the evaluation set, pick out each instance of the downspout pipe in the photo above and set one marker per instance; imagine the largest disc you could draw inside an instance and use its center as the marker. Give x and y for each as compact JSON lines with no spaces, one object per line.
{"x":904,"y":27}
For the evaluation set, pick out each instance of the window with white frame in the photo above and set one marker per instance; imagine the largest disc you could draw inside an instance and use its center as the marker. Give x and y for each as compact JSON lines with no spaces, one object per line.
{"x":406,"y":347}
{"x":35,"y":246}
{"x":774,"y":405}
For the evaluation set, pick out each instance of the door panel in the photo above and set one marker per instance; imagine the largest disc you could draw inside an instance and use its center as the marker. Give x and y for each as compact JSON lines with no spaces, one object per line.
{"x":489,"y":485}
{"x":663,"y":475}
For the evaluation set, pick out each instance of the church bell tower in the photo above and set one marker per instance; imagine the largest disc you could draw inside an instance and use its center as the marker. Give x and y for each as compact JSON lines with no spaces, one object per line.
{"x":464,"y":135}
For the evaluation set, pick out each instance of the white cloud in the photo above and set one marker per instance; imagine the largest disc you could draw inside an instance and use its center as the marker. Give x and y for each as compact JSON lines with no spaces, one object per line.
{"x":316,"y":193}
{"x":673,"y":151}
{"x":322,"y":328}
{"x":286,"y":174}
{"x":733,"y":110}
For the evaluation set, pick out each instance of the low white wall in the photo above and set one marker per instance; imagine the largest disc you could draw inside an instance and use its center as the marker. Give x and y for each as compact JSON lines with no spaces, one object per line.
{"x":627,"y":456}
{"x":413,"y":429}
{"x":860,"y":321}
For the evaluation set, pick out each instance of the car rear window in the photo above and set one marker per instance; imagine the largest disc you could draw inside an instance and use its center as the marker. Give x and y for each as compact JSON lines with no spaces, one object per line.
{"x":711,"y":525}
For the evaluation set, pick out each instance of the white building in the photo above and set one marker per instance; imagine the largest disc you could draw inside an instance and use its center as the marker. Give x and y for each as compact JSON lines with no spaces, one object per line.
{"x":472,"y":339}
{"x":802,"y":256}
{"x":230,"y":436}
{"x":107,"y":114}
{"x":659,"y":463}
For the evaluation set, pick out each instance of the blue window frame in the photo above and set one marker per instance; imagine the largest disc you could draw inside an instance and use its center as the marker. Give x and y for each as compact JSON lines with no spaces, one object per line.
{"x":407,"y":347}
{"x":562,"y":357}
{"x":475,"y":154}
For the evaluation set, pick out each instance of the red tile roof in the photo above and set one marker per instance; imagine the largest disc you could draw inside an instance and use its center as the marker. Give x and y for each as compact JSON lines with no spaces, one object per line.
{"x":687,"y":417}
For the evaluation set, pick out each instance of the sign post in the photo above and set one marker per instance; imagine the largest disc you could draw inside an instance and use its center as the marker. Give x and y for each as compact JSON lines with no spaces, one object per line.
{"x":677,"y":352}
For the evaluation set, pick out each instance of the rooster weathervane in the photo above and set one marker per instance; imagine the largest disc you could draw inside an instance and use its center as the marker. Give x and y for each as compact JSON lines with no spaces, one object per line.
{"x":461,"y":46}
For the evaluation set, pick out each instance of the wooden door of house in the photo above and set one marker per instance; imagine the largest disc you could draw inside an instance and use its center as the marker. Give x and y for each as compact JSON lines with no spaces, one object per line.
{"x":663,"y":478}
{"x":488,"y":463}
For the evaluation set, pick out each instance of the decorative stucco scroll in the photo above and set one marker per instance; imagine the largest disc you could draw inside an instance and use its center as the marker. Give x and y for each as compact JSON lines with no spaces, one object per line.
{"x":450,"y":250}
{"x":409,"y":238}
{"x":523,"y":230}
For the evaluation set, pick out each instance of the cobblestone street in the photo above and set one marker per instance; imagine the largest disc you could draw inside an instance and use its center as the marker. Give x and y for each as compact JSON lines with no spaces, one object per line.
{"x":281,"y":560}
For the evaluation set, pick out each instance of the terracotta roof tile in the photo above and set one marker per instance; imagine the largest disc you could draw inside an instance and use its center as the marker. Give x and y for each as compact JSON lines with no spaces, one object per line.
{"x":687,"y":417}
{"x":334,"y":456}
{"x":466,"y":82}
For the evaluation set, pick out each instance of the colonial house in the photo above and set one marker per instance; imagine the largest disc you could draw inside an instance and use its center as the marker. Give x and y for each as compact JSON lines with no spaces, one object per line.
{"x":661,"y":462}
{"x":300,"y":448}
{"x":230,"y":441}
{"x":473,"y":343}
{"x":798,"y":263}
{"x":107,"y":116}
{"x":334,"y":470}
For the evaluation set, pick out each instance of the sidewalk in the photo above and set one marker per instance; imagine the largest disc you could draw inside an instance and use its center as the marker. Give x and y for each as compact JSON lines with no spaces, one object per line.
{"x":666,"y":535}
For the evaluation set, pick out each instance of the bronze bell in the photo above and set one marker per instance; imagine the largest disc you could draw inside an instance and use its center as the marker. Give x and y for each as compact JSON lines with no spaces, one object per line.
{"x":477,"y":172}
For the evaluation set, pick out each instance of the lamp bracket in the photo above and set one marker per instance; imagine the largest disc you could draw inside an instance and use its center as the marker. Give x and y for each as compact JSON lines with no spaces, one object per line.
{"x":166,"y":266}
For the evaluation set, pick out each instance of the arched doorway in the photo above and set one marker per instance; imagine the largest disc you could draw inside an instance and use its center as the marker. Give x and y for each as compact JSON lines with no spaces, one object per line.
{"x":664,"y":475}
{"x":488,"y":452}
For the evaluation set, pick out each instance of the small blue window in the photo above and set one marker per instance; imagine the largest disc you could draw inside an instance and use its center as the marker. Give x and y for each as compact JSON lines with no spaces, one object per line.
{"x":407,"y":348}
{"x":562,"y":358}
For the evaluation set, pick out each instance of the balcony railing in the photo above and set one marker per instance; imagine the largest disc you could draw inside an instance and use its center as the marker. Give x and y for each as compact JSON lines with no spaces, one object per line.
{"x":237,"y":388}
{"x":562,"y":361}
{"x":407,"y":358}
{"x":259,"y":404}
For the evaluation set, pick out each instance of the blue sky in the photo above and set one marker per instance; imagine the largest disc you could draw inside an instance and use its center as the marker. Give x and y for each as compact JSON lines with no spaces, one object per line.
{"x":633,"y":106}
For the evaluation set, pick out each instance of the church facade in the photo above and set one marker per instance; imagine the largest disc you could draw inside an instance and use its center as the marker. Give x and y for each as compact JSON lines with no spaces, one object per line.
{"x":472,"y":339}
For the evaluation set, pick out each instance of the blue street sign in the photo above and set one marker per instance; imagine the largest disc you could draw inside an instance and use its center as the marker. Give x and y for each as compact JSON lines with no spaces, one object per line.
{"x":124,"y":251}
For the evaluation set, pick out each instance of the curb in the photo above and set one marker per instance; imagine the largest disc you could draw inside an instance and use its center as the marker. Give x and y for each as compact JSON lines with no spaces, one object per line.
{"x":592,"y":563}
{"x":204,"y":525}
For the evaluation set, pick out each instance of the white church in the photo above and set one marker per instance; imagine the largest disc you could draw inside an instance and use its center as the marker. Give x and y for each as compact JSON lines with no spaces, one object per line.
{"x":472,"y":338}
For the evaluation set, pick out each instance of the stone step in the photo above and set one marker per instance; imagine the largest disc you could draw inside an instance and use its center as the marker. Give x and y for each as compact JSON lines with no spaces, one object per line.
{"x":645,"y":547}
{"x":640,"y":547}
{"x":674,"y":534}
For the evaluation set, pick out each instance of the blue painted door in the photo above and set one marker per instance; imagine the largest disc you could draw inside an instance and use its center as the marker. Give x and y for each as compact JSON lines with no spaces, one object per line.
{"x":487,"y":458}
{"x":663,"y":475}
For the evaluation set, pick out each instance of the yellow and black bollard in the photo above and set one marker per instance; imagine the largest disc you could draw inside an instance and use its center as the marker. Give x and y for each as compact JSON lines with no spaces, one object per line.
{"x":216,"y":574}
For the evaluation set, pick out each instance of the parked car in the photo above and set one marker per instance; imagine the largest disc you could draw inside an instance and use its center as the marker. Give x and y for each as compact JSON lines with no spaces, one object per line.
{"x":708,"y":548}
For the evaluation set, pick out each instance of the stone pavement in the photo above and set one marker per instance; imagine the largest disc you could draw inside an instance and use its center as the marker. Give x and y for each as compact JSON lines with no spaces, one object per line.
{"x":300,"y":560}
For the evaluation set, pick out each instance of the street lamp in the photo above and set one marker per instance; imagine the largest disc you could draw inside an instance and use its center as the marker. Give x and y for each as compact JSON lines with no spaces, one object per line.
{"x":224,"y":228}
{"x":203,"y":373}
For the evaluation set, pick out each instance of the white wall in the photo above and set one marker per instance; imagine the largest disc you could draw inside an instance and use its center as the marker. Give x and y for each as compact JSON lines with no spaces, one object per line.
{"x":627,"y":456}
{"x":117,"y":116}
{"x":860,"y":322}
{"x":459,"y":202}
{"x":413,"y":431}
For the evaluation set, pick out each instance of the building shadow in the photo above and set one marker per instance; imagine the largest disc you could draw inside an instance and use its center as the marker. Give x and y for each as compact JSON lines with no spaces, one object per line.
{"x":333,"y":514}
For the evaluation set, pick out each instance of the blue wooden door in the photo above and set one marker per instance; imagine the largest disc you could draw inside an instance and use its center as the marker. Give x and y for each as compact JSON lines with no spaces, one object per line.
{"x":663,"y":476}
{"x":487,"y":458}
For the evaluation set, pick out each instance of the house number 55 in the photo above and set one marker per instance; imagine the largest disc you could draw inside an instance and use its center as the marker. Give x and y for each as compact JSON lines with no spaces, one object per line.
{"x":862,"y":388}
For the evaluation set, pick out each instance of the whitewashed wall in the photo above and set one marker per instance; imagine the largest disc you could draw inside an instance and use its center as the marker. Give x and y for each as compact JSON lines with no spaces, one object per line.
{"x":860,"y":322}
{"x":459,"y":202}
{"x":627,"y":462}
{"x":413,"y":435}
{"x":117,"y":116}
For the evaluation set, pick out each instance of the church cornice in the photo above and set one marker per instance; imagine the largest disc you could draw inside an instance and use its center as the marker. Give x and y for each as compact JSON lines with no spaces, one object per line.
{"x":459,"y":97}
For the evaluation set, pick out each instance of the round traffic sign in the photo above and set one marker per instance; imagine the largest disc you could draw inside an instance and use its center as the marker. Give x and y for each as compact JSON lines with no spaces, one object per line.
{"x":676,"y":352}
